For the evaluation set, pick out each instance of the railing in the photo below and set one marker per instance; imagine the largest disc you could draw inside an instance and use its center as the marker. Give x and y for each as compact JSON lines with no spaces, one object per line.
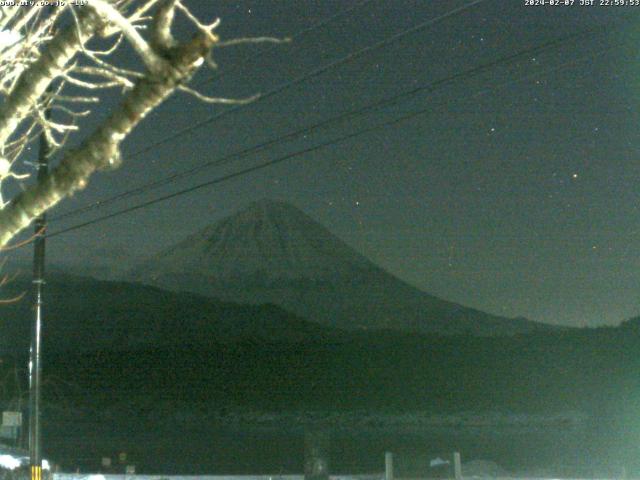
{"x":100,"y":476}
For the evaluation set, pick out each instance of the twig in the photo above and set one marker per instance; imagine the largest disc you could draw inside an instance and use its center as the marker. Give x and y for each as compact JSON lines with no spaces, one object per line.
{"x":6,"y":301}
{"x":222,"y":100}
{"x":15,"y":246}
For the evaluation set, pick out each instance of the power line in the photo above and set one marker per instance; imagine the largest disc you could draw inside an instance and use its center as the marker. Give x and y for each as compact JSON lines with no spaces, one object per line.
{"x":224,"y":178}
{"x":334,"y":141}
{"x":312,"y":74}
{"x":316,"y":26}
{"x":430,"y":88}
{"x":318,"y":71}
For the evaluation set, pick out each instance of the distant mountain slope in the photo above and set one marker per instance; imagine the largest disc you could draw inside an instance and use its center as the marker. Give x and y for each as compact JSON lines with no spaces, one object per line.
{"x":271,"y":252}
{"x":85,"y":315}
{"x":135,"y":359}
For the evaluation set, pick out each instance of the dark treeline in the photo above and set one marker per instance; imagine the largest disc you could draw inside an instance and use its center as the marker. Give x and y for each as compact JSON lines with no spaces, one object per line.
{"x":121,"y":359}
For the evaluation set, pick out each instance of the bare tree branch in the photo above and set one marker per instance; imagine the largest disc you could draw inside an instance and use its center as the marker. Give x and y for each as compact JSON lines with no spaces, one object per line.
{"x":112,"y":16}
{"x":46,"y":70}
{"x":245,"y":40}
{"x":101,"y":149}
{"x":34,"y":81}
{"x":222,"y":100}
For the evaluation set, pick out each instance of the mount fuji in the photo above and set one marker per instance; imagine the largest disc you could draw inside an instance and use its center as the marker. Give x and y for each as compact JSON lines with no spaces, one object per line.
{"x":272,"y":252}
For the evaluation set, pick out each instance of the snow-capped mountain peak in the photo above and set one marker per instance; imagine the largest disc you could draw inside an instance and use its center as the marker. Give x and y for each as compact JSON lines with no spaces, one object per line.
{"x":272,"y":252}
{"x":270,"y":240}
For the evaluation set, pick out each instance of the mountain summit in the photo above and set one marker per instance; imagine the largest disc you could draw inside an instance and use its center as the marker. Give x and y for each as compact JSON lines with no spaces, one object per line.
{"x":267,"y":243}
{"x":271,"y":252}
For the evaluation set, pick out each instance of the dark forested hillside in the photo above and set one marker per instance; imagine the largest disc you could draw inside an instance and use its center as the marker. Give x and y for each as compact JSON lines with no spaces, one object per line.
{"x":125,"y":360}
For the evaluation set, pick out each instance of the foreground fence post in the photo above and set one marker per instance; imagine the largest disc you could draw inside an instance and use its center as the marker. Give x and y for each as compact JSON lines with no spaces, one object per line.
{"x":457,"y":466}
{"x":316,"y":453}
{"x":388,"y":466}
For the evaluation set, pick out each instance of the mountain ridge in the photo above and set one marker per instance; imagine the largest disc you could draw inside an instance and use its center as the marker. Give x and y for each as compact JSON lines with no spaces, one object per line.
{"x":272,"y":252}
{"x":88,"y":315}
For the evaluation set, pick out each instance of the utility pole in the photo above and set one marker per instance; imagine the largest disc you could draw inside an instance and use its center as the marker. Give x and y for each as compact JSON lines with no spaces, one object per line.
{"x":35,"y":354}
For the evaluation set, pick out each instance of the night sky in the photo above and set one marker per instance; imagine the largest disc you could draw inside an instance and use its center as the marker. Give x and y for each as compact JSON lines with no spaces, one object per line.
{"x":517,"y":193}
